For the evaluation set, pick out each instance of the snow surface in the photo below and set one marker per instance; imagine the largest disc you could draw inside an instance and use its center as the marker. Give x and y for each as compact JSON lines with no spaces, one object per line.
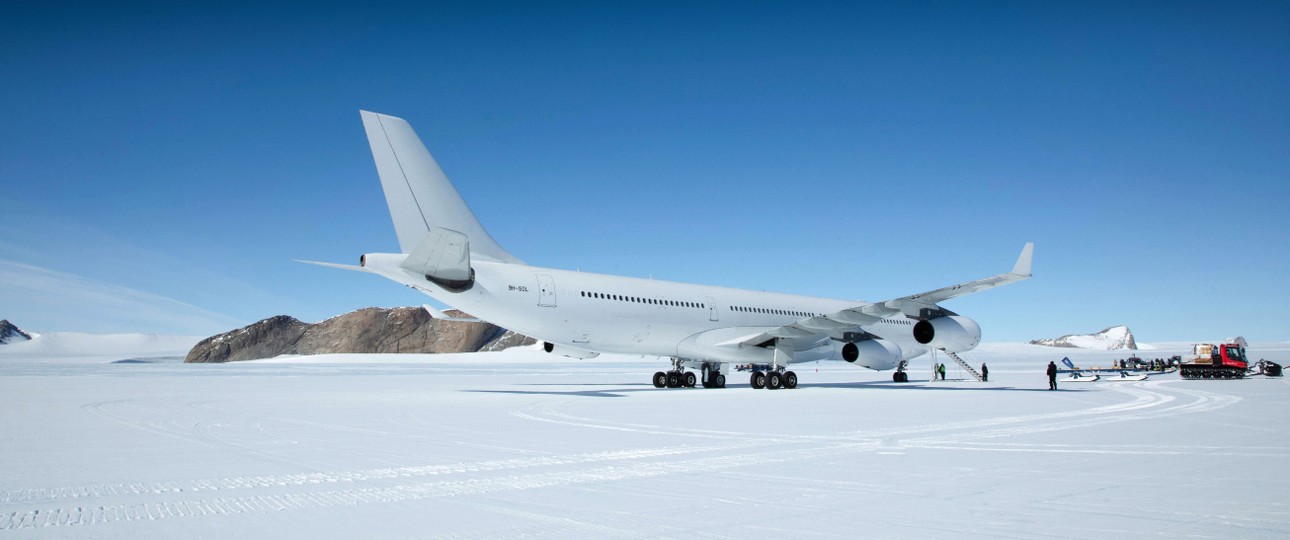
{"x":65,"y":347}
{"x":519,"y":443}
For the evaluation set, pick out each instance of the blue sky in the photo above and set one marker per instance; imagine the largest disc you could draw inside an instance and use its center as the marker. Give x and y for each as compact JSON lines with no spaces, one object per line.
{"x":160,"y":165}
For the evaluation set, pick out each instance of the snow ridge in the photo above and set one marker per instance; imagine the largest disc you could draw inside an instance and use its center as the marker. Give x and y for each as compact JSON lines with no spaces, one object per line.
{"x":1114,"y":338}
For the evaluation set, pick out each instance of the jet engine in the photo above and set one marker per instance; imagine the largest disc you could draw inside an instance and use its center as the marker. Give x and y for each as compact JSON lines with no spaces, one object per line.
{"x":567,"y":351}
{"x":952,"y":333}
{"x":872,"y":353}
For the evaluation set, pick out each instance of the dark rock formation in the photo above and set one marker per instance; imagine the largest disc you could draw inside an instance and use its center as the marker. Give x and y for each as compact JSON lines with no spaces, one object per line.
{"x":10,"y":333}
{"x":370,"y":330}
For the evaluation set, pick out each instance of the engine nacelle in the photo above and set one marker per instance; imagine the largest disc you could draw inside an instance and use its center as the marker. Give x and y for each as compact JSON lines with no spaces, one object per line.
{"x":570,"y":352}
{"x":872,"y":353}
{"x":953,"y":333}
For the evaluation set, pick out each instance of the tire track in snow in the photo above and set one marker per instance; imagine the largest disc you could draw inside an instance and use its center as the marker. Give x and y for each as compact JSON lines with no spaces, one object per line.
{"x":1142,"y":400}
{"x":1203,"y":402}
{"x":1148,"y":399}
{"x":76,"y":516}
{"x":303,"y":479}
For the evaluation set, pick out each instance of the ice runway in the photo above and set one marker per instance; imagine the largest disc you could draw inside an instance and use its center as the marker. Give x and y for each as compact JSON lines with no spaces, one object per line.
{"x":509,"y":445}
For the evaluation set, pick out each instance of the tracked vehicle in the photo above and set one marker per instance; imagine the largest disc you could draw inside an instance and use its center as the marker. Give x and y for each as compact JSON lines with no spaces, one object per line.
{"x":1225,"y":361}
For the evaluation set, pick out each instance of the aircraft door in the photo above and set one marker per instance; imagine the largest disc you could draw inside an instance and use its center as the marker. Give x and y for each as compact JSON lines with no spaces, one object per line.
{"x":712,"y":309}
{"x":546,"y":291}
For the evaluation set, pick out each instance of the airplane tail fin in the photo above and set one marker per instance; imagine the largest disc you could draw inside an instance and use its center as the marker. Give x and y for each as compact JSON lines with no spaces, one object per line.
{"x":420,"y":197}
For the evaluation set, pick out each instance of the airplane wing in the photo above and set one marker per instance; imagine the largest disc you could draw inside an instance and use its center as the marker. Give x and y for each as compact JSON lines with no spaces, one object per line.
{"x":1020,"y":271}
{"x":835,"y":324}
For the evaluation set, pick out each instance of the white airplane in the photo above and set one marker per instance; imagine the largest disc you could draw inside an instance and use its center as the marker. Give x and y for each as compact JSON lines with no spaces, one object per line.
{"x":448,"y":255}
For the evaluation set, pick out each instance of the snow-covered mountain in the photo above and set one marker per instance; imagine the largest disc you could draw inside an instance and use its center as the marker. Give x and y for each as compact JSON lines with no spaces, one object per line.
{"x":1112,"y":339}
{"x":10,"y":333}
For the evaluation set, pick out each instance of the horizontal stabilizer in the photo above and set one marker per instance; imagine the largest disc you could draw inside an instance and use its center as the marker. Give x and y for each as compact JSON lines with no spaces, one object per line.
{"x":436,"y":314}
{"x":441,"y":254}
{"x":334,"y":265}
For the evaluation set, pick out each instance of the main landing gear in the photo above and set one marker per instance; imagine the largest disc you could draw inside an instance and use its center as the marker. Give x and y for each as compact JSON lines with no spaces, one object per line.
{"x":773,"y":379}
{"x":900,"y":375}
{"x":678,"y":377}
{"x":675,"y":379}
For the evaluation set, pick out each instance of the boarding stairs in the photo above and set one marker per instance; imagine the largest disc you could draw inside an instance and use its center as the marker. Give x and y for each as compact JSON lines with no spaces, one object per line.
{"x":975,"y":374}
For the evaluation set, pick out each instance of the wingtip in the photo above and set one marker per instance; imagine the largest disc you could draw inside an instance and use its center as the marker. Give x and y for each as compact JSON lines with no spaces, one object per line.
{"x":364,"y":113}
{"x":1022,"y":268}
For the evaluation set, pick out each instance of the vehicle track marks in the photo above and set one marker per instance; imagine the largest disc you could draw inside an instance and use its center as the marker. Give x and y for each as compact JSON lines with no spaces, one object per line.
{"x":49,"y":517}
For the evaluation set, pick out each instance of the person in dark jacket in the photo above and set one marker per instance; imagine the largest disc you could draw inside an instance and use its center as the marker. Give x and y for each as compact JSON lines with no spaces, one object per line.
{"x":1052,"y":375}
{"x":985,"y":373}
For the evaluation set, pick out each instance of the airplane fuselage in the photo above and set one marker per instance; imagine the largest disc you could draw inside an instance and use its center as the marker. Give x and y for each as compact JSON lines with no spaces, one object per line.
{"x":616,"y":314}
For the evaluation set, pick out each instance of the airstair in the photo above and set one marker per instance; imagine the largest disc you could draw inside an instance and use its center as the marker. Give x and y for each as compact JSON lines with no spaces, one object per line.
{"x":975,"y":374}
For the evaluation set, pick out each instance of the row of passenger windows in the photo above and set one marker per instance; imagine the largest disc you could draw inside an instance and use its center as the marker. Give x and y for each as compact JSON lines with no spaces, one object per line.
{"x":696,"y":305}
{"x":767,"y":311}
{"x":640,"y":300}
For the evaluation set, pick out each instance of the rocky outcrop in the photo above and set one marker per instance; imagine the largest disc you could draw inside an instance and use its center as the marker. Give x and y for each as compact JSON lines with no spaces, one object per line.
{"x":1114,"y":338}
{"x":10,"y":333}
{"x":506,"y":341}
{"x":370,"y":330}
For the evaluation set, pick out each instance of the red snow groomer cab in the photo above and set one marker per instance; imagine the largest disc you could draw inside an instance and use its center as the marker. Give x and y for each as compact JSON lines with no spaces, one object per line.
{"x":1226,"y":361}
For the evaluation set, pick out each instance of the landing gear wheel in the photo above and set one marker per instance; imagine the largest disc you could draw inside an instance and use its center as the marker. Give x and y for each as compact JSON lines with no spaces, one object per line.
{"x":774,"y":380}
{"x":660,"y":380}
{"x":758,"y":380}
{"x":719,"y":381}
{"x":690,"y":379}
{"x":673,"y":379}
{"x":790,"y":380}
{"x":900,"y":376}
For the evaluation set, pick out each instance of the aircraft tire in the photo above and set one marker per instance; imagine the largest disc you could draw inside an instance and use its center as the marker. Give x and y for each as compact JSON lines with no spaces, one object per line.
{"x":689,"y":379}
{"x":790,"y":380}
{"x":758,"y":380}
{"x":720,"y":381}
{"x":673,"y":379}
{"x":660,"y":380}
{"x":774,"y":380}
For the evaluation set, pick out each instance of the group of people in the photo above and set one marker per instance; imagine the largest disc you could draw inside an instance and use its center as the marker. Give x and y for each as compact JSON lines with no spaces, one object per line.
{"x":1159,"y":364}
{"x":938,"y":372}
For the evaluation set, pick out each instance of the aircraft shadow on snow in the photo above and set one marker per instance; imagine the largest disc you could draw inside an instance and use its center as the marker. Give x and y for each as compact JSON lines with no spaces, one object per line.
{"x":618,"y":390}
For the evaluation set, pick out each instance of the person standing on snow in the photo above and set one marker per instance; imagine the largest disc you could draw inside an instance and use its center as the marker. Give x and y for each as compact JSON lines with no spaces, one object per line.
{"x":1052,"y":375}
{"x":942,"y":372}
{"x":985,"y":373}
